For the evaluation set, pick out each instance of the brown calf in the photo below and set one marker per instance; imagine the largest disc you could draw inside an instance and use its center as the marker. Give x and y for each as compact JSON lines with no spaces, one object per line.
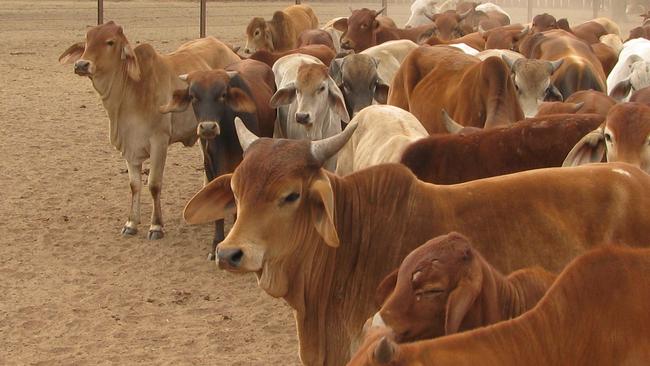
{"x":282,"y":31}
{"x":445,"y":286}
{"x":581,"y":102}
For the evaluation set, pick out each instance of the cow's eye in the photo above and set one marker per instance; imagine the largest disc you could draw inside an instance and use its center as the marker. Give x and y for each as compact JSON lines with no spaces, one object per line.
{"x":364,"y":26}
{"x":291,"y":197}
{"x":321,"y":89}
{"x":110,"y":43}
{"x":223,"y":95}
{"x":257,"y":33}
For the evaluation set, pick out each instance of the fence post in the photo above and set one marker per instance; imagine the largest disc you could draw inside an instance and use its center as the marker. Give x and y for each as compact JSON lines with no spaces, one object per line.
{"x":100,"y":12}
{"x":297,"y":2}
{"x":384,"y":5}
{"x":202,"y":21}
{"x":595,"y":4}
{"x":529,"y":5}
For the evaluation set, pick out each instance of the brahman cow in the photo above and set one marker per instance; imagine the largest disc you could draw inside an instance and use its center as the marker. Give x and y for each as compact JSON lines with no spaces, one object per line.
{"x":595,"y":314}
{"x":334,"y":33}
{"x":324,"y":53}
{"x":243,"y":89}
{"x":487,"y":16}
{"x":421,"y":13}
{"x":133,"y":83}
{"x":532,"y":79}
{"x":473,"y":40}
{"x":625,"y":136}
{"x":475,"y":93}
{"x":529,"y":144}
{"x":293,"y":226}
{"x":581,"y":69}
{"x":282,"y":31}
{"x":632,"y":71}
{"x":506,"y":37}
{"x":382,"y":134}
{"x":543,"y":22}
{"x":448,"y":25}
{"x":310,"y":105}
{"x":581,"y":102}
{"x":366,"y":28}
{"x":445,"y":286}
{"x":366,"y":76}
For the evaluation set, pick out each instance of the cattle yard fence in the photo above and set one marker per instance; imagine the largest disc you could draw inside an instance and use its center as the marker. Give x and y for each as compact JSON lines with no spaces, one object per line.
{"x":615,"y":8}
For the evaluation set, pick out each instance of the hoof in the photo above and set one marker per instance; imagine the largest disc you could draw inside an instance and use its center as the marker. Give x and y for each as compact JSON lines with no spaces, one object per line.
{"x":211,"y":257}
{"x":129,"y":231}
{"x":155,"y":234}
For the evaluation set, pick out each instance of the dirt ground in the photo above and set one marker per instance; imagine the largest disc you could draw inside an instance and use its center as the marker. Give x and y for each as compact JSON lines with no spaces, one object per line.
{"x":72,"y":290}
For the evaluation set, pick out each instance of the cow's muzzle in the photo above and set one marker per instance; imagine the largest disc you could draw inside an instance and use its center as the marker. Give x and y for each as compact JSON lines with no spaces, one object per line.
{"x":229,"y":258}
{"x":346,"y":44}
{"x":82,"y":68}
{"x":303,"y":118}
{"x":208,"y":130}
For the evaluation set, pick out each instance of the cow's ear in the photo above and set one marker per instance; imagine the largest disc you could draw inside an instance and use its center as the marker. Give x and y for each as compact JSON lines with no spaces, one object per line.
{"x":131,"y":61}
{"x":463,"y":296}
{"x":621,"y":90}
{"x":283,"y":96}
{"x":322,"y":209}
{"x":73,"y":53}
{"x":385,"y":288}
{"x":341,"y":25}
{"x":213,"y":202}
{"x":385,"y":351}
{"x":381,"y":91}
{"x":336,"y":101}
{"x":239,"y":101}
{"x":590,"y":149}
{"x":180,"y":101}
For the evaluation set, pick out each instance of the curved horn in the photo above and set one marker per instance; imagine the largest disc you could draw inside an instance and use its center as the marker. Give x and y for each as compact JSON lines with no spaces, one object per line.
{"x":451,"y":126}
{"x":246,"y":138}
{"x":482,"y":32}
{"x":326,"y":148}
{"x":381,"y":11}
{"x":556,"y":65}
{"x":464,"y":15}
{"x":509,"y":61}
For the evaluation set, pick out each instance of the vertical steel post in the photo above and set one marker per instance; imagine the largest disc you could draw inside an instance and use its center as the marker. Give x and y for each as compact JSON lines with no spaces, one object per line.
{"x":595,"y":4}
{"x":384,"y":5}
{"x":529,"y":13}
{"x":100,"y":12}
{"x":202,"y":30}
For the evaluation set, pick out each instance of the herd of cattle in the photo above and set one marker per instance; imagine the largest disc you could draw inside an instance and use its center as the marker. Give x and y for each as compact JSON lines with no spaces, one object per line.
{"x":384,"y":178}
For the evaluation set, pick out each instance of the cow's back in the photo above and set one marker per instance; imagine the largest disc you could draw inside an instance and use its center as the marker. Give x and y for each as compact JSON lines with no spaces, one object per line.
{"x":301,"y":18}
{"x":390,"y":55}
{"x":210,"y":51}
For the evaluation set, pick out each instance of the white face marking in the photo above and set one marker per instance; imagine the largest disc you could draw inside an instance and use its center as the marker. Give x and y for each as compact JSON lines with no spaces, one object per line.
{"x":616,"y":170}
{"x":377,"y":321}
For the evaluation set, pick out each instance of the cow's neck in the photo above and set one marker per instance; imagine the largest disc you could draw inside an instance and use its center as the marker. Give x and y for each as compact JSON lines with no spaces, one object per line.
{"x":112,"y":91}
{"x":333,"y":290}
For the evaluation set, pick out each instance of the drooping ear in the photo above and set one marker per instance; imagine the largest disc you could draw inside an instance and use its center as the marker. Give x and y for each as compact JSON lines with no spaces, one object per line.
{"x":283,"y":96}
{"x":336,"y":101}
{"x":132,"y":65}
{"x":211,"y":203}
{"x":336,"y":70}
{"x":322,"y":209}
{"x":381,"y":91}
{"x":621,"y":90}
{"x":385,"y":351}
{"x":239,"y":101}
{"x":590,"y":149}
{"x":463,"y":296}
{"x":554,"y":94}
{"x":385,"y":288}
{"x":179,"y":103}
{"x":341,"y":25}
{"x":73,"y":53}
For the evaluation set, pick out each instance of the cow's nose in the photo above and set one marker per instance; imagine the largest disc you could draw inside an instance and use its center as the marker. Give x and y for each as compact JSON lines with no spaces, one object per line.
{"x":229,"y":258}
{"x":208,"y":130}
{"x":81,"y":66}
{"x":302,"y":118}
{"x":346,"y":44}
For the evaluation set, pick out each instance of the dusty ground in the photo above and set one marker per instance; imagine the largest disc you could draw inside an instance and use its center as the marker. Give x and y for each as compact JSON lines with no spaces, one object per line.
{"x":72,"y":291}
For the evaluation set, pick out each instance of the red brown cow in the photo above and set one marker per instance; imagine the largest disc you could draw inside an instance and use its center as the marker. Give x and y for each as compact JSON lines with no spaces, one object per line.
{"x":448,"y":26}
{"x":594,"y":314}
{"x":321,"y":52}
{"x":581,"y":69}
{"x":475,"y":93}
{"x":542,"y":23}
{"x":316,"y":36}
{"x":529,"y":144}
{"x":241,"y":90}
{"x":282,"y":31}
{"x":641,"y":96}
{"x":506,"y":37}
{"x":366,"y":28}
{"x":581,"y":102}
{"x":445,"y":286}
{"x":625,"y":137}
{"x":474,"y":40}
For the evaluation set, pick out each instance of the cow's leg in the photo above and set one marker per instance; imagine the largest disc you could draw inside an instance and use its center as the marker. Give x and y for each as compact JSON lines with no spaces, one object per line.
{"x":158,"y":157}
{"x":135,"y":181}
{"x":218,"y":238}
